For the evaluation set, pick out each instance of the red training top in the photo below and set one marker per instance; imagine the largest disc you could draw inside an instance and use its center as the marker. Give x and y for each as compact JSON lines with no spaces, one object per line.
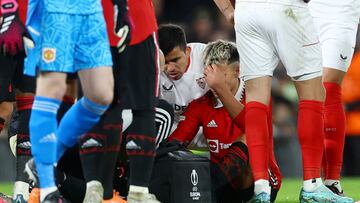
{"x":219,"y":129}
{"x":143,"y":19}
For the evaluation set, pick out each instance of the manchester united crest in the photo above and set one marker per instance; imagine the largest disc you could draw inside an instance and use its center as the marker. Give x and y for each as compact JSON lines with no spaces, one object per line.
{"x":48,"y":54}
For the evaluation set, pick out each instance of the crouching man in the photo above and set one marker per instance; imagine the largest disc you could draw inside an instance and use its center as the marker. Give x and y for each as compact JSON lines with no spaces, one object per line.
{"x":220,"y":113}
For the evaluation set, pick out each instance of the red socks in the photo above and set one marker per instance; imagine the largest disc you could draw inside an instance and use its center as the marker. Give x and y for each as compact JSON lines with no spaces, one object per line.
{"x":334,"y":123}
{"x":311,"y":136}
{"x":24,"y":102}
{"x":257,"y":135}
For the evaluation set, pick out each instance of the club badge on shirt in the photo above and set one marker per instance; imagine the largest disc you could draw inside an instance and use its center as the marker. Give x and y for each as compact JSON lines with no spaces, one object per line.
{"x":201,"y":82}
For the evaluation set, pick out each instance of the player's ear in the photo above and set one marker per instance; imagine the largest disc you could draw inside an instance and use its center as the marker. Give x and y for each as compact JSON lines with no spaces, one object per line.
{"x":187,"y":52}
{"x":237,"y":69}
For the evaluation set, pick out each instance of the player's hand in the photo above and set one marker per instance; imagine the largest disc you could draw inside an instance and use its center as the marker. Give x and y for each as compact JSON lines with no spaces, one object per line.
{"x":13,"y":33}
{"x":215,"y":78}
{"x":123,"y":24}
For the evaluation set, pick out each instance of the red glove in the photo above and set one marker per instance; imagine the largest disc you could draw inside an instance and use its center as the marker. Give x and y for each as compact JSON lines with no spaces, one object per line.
{"x":13,"y":32}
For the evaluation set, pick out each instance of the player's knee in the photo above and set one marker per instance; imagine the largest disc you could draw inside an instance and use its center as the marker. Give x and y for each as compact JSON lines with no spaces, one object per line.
{"x":102,"y":97}
{"x":311,"y":89}
{"x":6,"y":108}
{"x":51,"y":87}
{"x":333,"y":75}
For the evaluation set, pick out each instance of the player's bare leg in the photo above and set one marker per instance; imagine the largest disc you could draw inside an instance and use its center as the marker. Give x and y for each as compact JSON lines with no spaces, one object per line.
{"x":98,"y":84}
{"x":99,"y":96}
{"x":51,"y":84}
{"x":6,"y":109}
{"x":51,"y":87}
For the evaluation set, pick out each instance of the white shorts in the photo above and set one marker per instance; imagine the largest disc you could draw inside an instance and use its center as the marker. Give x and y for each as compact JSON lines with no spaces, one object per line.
{"x":268,"y":32}
{"x":337,"y":42}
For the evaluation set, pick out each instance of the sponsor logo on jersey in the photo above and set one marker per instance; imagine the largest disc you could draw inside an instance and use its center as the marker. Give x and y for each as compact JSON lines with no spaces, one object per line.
{"x":212,"y":124}
{"x":49,"y":54}
{"x":344,"y":58}
{"x":168,"y":88}
{"x":179,"y":108}
{"x":201,"y":82}
{"x":213,"y":145}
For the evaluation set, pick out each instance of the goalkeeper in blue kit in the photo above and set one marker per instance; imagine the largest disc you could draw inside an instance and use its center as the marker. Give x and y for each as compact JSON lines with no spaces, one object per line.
{"x":70,"y":36}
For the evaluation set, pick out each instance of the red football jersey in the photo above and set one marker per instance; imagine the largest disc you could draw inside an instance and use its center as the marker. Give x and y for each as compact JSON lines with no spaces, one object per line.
{"x":143,"y":19}
{"x":109,"y":19}
{"x":219,"y":129}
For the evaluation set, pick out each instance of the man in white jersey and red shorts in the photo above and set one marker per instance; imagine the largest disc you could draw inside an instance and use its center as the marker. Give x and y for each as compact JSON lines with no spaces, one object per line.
{"x":336,"y":22}
{"x":268,"y":31}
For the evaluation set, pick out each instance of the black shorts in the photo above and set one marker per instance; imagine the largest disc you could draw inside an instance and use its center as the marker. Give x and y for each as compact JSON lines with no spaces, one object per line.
{"x":229,"y":173}
{"x":136,"y":73}
{"x":12,"y":77}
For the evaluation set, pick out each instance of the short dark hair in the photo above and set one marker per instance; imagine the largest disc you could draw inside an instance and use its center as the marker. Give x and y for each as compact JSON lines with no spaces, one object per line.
{"x":171,"y":36}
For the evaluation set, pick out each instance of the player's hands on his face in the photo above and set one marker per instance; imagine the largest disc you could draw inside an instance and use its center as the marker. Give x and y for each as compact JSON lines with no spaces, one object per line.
{"x":214,"y":77}
{"x":123,"y":24}
{"x":13,"y":33}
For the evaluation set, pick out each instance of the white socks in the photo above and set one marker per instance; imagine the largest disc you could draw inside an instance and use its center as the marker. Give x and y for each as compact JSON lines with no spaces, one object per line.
{"x":312,"y":184}
{"x":336,"y":183}
{"x":262,"y":186}
{"x":134,"y":188}
{"x":21,"y":188}
{"x":93,"y":183}
{"x":45,"y":191}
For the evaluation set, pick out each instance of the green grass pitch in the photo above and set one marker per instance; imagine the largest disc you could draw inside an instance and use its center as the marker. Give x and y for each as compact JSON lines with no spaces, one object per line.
{"x":289,"y":191}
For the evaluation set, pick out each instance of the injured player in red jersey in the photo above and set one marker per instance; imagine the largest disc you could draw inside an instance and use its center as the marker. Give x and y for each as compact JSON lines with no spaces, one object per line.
{"x":220,"y":113}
